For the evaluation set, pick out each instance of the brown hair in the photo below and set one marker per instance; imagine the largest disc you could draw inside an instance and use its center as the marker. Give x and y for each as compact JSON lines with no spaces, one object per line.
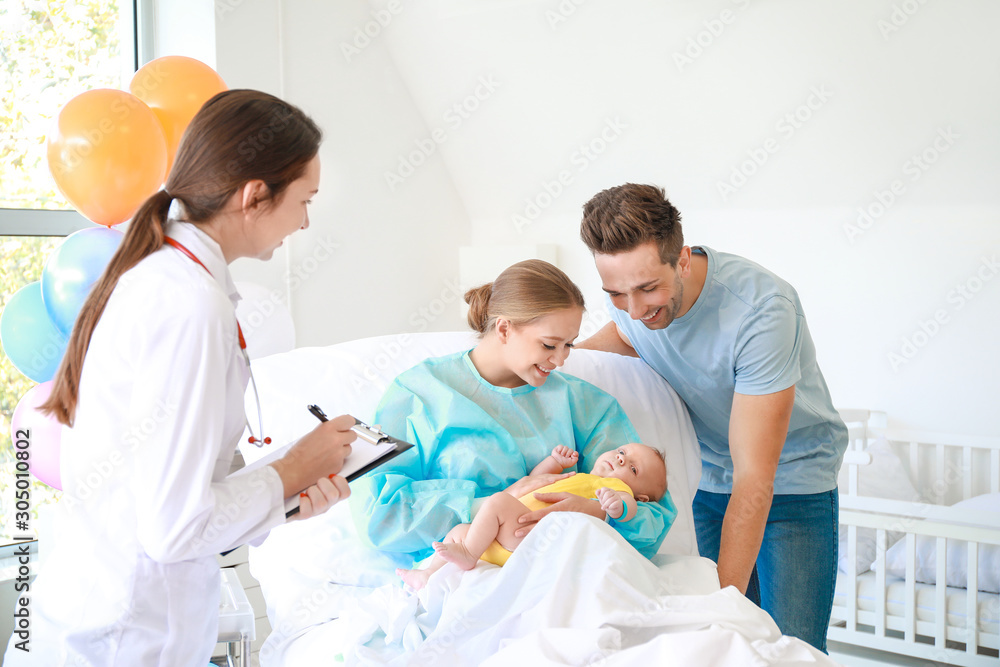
{"x":236,"y":137}
{"x":522,"y":293}
{"x":621,"y":218}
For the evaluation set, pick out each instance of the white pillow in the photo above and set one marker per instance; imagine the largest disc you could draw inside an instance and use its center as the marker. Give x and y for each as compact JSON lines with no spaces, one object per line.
{"x":884,"y":477}
{"x":957,"y":555}
{"x":662,"y":421}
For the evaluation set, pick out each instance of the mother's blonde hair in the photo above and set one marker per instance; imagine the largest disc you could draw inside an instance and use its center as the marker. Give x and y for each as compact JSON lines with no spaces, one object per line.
{"x":523,"y":293}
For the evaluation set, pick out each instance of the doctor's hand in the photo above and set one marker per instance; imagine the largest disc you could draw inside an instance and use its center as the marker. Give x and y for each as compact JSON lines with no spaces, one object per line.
{"x":561,"y":502}
{"x":321,"y":496}
{"x":317,"y":455}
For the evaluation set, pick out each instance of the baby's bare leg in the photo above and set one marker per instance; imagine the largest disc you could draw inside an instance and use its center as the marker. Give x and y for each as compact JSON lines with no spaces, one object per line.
{"x":496,"y":520}
{"x":417,"y":579}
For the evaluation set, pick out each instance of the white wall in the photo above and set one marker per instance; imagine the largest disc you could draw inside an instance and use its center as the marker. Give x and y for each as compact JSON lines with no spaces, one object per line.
{"x":681,"y":94}
{"x":374,"y":261}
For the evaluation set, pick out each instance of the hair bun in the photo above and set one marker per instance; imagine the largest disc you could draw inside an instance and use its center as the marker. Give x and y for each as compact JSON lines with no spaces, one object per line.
{"x":478,"y":299}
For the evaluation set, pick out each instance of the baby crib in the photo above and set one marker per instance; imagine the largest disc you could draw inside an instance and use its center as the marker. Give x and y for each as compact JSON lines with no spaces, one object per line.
{"x":931,"y":591}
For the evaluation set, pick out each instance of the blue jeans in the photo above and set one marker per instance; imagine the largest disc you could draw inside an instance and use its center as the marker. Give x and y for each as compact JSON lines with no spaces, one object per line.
{"x":796,"y":569}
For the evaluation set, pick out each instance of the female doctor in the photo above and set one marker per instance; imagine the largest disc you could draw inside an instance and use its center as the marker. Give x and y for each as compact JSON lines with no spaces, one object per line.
{"x":152,"y":385}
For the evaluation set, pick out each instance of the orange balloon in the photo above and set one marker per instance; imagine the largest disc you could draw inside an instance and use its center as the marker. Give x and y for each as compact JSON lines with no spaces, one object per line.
{"x":175,"y":87}
{"x":107,"y":154}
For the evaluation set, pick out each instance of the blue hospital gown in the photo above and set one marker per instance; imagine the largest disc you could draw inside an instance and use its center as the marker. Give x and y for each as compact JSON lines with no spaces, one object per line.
{"x":474,"y":439}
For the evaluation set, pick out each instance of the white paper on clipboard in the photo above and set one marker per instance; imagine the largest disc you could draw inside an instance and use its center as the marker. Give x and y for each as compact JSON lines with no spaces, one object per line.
{"x":368,"y":451}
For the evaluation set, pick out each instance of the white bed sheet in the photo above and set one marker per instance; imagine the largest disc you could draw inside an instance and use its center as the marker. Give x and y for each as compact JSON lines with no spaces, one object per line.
{"x":587,"y":595}
{"x":574,"y":593}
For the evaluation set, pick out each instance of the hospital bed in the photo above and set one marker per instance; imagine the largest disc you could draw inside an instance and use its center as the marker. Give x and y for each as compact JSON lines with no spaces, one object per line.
{"x":911,"y":504}
{"x":573,"y":593}
{"x":236,"y":621}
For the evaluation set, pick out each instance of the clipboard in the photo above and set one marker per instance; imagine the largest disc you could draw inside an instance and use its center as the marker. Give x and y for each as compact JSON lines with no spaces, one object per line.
{"x":372,"y":449}
{"x":375,"y":449}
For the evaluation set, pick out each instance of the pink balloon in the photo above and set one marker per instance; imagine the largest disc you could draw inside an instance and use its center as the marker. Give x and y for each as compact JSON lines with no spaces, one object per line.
{"x":44,"y":434}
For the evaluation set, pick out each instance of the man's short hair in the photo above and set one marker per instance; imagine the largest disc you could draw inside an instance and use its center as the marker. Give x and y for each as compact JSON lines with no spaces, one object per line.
{"x":622,"y":218}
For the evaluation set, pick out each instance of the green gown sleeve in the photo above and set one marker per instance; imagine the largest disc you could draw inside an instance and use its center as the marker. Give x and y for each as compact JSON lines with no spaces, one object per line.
{"x":395,"y":507}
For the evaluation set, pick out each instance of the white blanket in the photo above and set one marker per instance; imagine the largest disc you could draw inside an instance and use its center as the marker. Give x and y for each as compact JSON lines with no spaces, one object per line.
{"x":573,"y":593}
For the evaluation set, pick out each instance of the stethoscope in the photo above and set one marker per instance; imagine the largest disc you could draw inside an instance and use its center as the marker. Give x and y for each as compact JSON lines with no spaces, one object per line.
{"x":259,"y":442}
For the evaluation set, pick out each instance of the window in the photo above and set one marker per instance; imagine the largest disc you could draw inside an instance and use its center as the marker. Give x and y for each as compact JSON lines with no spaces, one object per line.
{"x":53,"y":51}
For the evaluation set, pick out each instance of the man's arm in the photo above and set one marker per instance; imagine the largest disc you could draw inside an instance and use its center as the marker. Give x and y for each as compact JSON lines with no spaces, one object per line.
{"x":609,"y":339}
{"x":757,"y":430}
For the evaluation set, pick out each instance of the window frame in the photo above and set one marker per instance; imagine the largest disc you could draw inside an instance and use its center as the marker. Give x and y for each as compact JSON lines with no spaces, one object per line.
{"x":40,"y":222}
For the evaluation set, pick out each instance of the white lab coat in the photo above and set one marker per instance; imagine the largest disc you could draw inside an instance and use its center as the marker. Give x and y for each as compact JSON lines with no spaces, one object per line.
{"x":133,"y":579}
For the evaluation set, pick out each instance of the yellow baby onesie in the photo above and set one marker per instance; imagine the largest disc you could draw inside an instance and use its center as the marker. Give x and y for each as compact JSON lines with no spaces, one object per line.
{"x":581,"y":484}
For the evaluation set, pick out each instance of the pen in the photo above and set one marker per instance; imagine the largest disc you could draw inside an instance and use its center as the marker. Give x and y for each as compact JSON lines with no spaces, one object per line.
{"x":318,"y":413}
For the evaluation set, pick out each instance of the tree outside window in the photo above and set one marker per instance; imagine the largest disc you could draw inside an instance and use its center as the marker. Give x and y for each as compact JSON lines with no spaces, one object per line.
{"x":52,"y":50}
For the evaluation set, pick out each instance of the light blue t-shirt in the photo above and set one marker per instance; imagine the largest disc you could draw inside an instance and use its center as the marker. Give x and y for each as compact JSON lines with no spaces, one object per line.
{"x":746,"y":333}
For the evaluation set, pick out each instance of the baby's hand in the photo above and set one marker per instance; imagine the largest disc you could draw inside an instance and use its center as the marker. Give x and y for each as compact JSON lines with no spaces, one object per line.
{"x":611,"y":502}
{"x":565,"y":456}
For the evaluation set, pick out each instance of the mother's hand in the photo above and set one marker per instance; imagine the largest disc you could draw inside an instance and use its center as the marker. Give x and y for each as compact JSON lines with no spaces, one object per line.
{"x":530,"y":483}
{"x":561,"y":502}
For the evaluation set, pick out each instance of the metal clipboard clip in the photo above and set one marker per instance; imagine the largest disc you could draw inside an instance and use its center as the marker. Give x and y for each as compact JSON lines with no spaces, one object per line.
{"x":371,"y":434}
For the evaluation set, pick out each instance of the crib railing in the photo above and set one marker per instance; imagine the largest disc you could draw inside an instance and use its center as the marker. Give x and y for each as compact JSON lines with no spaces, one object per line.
{"x":945,"y":469}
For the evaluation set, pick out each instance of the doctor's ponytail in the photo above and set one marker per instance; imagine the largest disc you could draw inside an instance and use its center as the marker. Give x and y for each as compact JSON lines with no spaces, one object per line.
{"x":523,"y":293}
{"x":237,"y":136}
{"x":143,"y":237}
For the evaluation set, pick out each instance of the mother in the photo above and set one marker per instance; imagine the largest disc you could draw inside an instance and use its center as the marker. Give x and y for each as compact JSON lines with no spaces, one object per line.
{"x":483,"y":418}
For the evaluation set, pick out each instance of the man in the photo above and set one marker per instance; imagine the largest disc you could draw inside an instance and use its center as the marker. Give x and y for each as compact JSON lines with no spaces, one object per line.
{"x":731,"y":338}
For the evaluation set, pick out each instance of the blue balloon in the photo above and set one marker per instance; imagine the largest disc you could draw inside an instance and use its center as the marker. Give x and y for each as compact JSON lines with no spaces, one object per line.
{"x":72,"y":270}
{"x":31,"y":341}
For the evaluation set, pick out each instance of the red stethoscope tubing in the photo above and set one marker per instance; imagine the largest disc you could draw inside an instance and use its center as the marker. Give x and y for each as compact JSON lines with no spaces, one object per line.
{"x":243,"y":343}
